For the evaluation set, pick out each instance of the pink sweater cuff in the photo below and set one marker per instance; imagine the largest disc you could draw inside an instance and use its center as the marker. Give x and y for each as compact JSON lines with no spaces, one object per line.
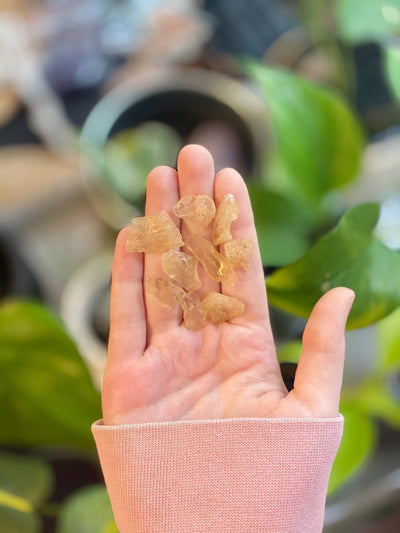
{"x":238,"y":475}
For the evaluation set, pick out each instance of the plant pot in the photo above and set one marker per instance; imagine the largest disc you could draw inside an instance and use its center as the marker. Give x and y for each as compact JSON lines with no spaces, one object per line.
{"x":84,"y":308}
{"x":183,"y":99}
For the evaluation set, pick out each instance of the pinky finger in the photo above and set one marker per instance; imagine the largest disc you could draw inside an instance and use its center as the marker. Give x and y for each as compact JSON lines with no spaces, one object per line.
{"x":127,"y":312}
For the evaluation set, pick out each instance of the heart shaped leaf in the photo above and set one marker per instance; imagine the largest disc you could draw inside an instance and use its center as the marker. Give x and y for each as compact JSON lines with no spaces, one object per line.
{"x":349,"y":255}
{"x":46,"y":393}
{"x":319,"y":141}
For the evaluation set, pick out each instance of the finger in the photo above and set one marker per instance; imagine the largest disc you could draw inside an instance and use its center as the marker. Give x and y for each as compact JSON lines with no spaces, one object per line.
{"x":162,"y":194}
{"x":320,"y":371}
{"x":250,"y":284}
{"x":196,"y":176}
{"x":127,"y":312}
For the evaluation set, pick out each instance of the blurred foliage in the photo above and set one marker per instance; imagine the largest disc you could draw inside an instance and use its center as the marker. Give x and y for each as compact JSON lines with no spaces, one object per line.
{"x":388,"y":349}
{"x":374,"y":20}
{"x":357,"y":446}
{"x":127,"y":158}
{"x":25,"y":483}
{"x":283,"y":226}
{"x":378,"y":394}
{"x":392,"y":64}
{"x":350,"y":256}
{"x":46,"y":393}
{"x":88,"y":510}
{"x":378,"y":21}
{"x":318,"y":139}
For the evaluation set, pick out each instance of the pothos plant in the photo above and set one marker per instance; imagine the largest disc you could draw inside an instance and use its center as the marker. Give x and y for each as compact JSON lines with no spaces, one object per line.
{"x":316,"y":151}
{"x":309,"y":244}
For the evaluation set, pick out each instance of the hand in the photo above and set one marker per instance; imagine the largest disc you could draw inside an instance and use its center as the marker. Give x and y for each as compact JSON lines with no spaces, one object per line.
{"x":157,"y":370}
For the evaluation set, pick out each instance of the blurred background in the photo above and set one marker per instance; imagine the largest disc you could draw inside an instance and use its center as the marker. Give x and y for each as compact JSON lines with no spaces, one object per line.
{"x":303,"y":98}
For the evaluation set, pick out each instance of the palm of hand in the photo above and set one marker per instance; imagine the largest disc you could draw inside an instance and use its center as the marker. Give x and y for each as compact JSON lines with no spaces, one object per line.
{"x":157,"y":370}
{"x":198,"y":375}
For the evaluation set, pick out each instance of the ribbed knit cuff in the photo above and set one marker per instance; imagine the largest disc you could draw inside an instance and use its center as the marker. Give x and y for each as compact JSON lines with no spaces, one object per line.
{"x":238,"y":475}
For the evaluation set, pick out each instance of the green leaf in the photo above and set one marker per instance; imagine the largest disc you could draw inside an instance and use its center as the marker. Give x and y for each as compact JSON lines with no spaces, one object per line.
{"x":283,"y":227}
{"x":26,"y":477}
{"x":350,"y":256}
{"x":374,"y":398}
{"x":392,"y":67}
{"x":289,"y":352}
{"x":87,"y":511}
{"x":46,"y":393}
{"x":127,"y":158}
{"x":388,"y":351}
{"x":358,"y":444}
{"x":15,"y":521}
{"x":319,"y":141}
{"x":373,"y":20}
{"x":378,"y":394}
{"x":25,"y":482}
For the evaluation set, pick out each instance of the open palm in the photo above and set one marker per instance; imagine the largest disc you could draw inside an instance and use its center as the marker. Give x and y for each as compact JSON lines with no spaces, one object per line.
{"x":157,"y":370}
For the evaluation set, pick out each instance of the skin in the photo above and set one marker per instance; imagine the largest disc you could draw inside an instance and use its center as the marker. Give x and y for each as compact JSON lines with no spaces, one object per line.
{"x":157,"y":370}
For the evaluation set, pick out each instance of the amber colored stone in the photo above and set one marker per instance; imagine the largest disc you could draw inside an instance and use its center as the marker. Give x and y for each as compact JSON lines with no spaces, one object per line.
{"x":197,"y":210}
{"x":215,"y":264}
{"x":182,"y":268}
{"x":165,"y":292}
{"x":227,"y":212}
{"x":220,"y":308}
{"x":194,"y":315}
{"x":153,"y":234}
{"x":238,"y":252}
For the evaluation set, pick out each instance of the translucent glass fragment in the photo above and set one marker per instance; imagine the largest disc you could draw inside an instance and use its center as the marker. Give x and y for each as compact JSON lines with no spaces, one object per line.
{"x":227,"y":212}
{"x":153,"y":234}
{"x":164,"y":291}
{"x":194,"y":315}
{"x":197,"y":210}
{"x":215,"y":264}
{"x":238,"y":252}
{"x":220,"y":308}
{"x":182,"y":268}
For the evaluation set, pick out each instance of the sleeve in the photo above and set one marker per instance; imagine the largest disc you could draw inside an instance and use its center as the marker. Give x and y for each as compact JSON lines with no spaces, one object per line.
{"x":238,"y":475}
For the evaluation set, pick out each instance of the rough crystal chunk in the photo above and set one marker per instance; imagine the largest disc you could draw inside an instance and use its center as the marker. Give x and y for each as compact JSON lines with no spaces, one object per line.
{"x":165,"y":292}
{"x":215,"y":264}
{"x":153,"y":234}
{"x":238,"y":252}
{"x":197,"y":210}
{"x":220,"y":307}
{"x":194,"y":315}
{"x":182,"y":268}
{"x":227,"y":212}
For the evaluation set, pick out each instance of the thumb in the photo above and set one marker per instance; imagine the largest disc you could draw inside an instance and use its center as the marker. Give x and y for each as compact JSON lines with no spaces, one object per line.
{"x":320,"y":371}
